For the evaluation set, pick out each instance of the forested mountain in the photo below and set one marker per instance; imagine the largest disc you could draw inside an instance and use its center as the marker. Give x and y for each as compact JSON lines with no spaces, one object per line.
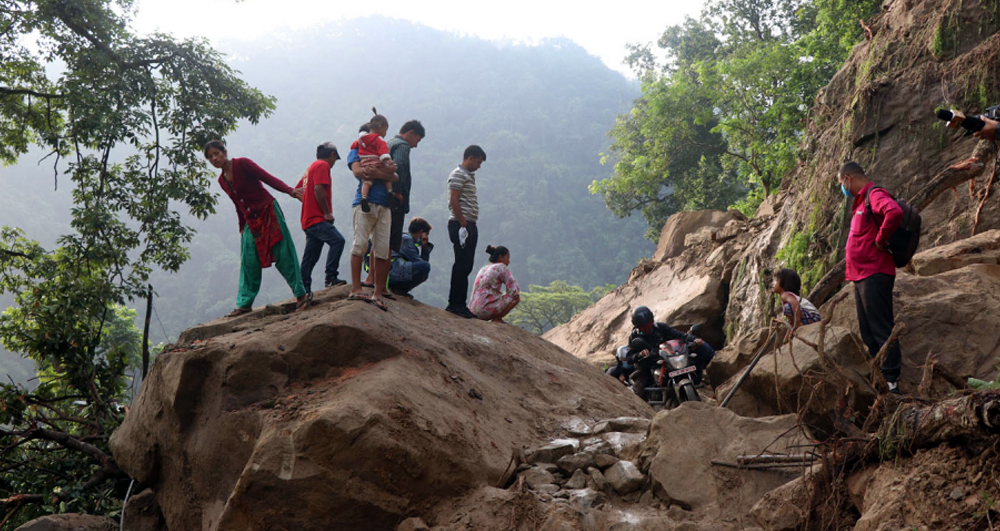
{"x":540,"y":112}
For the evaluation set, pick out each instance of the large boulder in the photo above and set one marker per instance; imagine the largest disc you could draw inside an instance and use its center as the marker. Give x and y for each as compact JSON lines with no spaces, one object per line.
{"x":682,"y":224}
{"x":795,"y":378}
{"x":70,"y":522}
{"x":684,"y":441}
{"x":982,"y":248}
{"x":954,"y":315}
{"x":346,"y":417}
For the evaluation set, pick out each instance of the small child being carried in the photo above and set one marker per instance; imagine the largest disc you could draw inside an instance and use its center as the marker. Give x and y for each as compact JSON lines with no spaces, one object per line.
{"x":373,"y":152}
{"x":797,"y":310}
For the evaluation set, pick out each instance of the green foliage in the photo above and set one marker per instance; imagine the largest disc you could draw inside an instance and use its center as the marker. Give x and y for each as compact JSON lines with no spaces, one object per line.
{"x":545,"y":307}
{"x":129,"y":115}
{"x":719,"y":124}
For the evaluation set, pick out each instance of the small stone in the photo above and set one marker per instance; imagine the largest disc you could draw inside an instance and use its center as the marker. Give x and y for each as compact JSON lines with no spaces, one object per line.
{"x":647,"y":499}
{"x":602,"y":447}
{"x":536,"y":476}
{"x":624,"y":477}
{"x":563,"y":494}
{"x":578,"y":481}
{"x":413,"y":524}
{"x":583,"y":499}
{"x":576,"y":427}
{"x":549,"y":453}
{"x":548,"y":488}
{"x":543,"y":497}
{"x":571,"y":463}
{"x":619,"y":440}
{"x":604,"y":460}
{"x":596,"y":480}
{"x":957,"y":493}
{"x":623,"y":424}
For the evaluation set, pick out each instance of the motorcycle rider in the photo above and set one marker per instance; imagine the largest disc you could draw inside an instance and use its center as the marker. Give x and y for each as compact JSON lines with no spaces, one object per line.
{"x":653,"y":334}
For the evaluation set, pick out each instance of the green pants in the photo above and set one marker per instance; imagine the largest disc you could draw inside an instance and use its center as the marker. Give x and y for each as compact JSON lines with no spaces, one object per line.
{"x":286,"y":260}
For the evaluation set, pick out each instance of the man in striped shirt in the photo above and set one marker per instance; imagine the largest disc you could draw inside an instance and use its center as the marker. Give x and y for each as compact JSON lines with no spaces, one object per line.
{"x":462,"y":227}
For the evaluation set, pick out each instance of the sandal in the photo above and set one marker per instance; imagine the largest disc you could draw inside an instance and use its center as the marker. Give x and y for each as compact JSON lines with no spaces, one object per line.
{"x":239,"y":311}
{"x":359,"y":296}
{"x":367,"y":285}
{"x":305,"y":304}
{"x":380,"y":304}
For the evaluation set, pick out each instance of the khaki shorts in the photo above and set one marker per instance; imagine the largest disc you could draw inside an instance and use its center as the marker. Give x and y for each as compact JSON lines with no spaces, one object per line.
{"x":372,"y":225}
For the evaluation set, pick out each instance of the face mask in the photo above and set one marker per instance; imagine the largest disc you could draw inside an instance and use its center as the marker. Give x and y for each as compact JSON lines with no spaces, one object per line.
{"x":846,"y":192}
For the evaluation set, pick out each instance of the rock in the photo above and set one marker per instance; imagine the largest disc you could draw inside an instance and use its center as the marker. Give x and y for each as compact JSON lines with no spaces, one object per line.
{"x":572,"y":463}
{"x":413,"y":524}
{"x":142,"y":513}
{"x":939,"y":314}
{"x":551,"y":453}
{"x":784,"y":508}
{"x":536,"y":476}
{"x":735,"y":356}
{"x":604,"y":460}
{"x":683,"y":442}
{"x":70,"y":522}
{"x":619,"y":440}
{"x":679,"y":225}
{"x":584,"y":499}
{"x":576,"y":427}
{"x":597,"y":481}
{"x":702,"y":235}
{"x":578,"y":481}
{"x":983,"y":248}
{"x":623,"y":424}
{"x":803,"y":378}
{"x":624,"y":477}
{"x":382,"y":431}
{"x":547,"y":488}
{"x":602,"y":447}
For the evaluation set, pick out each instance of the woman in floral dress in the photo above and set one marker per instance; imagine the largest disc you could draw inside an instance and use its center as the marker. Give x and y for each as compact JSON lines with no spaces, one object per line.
{"x":495,"y":292}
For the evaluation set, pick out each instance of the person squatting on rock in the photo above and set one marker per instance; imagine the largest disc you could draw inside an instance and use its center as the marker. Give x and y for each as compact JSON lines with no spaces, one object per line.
{"x":797,"y":310}
{"x":373,"y":151}
{"x":317,"y":218}
{"x":653,"y":334}
{"x":373,"y":225}
{"x":411,"y":263}
{"x":265,"y":236}
{"x":988,"y":132}
{"x":462,"y":230}
{"x":870,"y":266}
{"x":495,"y":292}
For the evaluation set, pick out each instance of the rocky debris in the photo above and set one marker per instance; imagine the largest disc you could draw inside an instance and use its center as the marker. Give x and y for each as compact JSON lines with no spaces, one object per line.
{"x":953,"y":315}
{"x":551,"y":453}
{"x":413,"y":524}
{"x":596,"y":480}
{"x":623,"y":424}
{"x":795,"y":378}
{"x":683,"y":442}
{"x":362,"y":419}
{"x":70,"y":522}
{"x":603,"y":461}
{"x":578,"y":480}
{"x":784,"y":508}
{"x":624,"y":477}
{"x":536,"y":476}
{"x":572,"y":463}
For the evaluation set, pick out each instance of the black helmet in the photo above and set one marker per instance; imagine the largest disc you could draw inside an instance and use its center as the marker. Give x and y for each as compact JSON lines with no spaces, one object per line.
{"x":641,"y":316}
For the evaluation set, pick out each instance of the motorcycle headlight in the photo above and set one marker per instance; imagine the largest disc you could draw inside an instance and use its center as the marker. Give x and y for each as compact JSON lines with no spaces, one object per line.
{"x":677,"y":362}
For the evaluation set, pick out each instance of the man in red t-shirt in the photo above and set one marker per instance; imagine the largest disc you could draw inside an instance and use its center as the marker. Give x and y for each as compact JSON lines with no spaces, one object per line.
{"x":870,"y":266}
{"x":317,"y":218}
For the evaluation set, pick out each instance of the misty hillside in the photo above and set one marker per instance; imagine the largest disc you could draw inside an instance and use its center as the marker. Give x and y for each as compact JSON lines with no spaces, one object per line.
{"x":540,"y":112}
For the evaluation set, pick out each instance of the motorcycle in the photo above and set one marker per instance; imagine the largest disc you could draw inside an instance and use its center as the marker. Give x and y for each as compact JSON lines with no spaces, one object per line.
{"x":673,"y":372}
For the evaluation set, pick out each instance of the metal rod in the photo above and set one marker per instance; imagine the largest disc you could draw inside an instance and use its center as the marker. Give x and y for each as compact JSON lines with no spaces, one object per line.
{"x":746,"y":372}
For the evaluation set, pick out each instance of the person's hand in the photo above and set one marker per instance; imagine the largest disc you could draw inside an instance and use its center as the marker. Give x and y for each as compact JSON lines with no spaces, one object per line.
{"x":645,"y":353}
{"x":699,"y":342}
{"x":328,"y":217}
{"x":882,"y":246}
{"x":463,"y":223}
{"x":989,"y":132}
{"x":965,"y":164}
{"x":424,"y":239}
{"x":297,"y":193}
{"x":621,"y":378}
{"x":399,"y":197}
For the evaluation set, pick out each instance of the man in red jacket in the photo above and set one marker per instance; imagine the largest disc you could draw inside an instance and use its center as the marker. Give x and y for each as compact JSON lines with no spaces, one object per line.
{"x":870,"y":266}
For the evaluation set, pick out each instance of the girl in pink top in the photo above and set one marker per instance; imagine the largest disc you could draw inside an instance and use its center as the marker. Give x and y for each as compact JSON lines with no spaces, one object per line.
{"x":495,"y":292}
{"x":373,"y":151}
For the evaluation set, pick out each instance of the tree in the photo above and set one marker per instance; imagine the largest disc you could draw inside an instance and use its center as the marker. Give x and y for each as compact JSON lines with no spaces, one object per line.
{"x":720,"y":122}
{"x":125,"y":117}
{"x":545,"y":307}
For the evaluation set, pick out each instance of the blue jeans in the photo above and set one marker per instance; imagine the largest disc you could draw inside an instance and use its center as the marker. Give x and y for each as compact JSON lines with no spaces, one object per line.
{"x":316,"y":235}
{"x":419,"y":271}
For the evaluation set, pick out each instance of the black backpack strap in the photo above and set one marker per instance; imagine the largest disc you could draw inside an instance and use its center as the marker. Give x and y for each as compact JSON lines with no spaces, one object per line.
{"x":868,"y":203}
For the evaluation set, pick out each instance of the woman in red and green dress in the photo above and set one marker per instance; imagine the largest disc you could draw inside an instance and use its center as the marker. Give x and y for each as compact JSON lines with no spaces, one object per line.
{"x":266,"y":239}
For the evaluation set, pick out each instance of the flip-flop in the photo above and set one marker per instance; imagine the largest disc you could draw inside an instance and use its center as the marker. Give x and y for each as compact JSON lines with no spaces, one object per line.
{"x":239,"y":311}
{"x":389,"y":295}
{"x":366,"y":285}
{"x":380,"y":304}
{"x":359,"y":296}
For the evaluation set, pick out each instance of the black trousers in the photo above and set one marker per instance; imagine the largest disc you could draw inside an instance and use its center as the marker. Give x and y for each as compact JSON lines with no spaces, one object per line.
{"x":873,"y":297}
{"x":465,"y":257}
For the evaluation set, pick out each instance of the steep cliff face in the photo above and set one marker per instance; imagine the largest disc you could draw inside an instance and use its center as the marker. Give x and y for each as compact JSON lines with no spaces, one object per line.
{"x":347,"y":417}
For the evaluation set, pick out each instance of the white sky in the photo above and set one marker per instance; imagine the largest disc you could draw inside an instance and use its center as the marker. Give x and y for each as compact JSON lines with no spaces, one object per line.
{"x":603,"y":27}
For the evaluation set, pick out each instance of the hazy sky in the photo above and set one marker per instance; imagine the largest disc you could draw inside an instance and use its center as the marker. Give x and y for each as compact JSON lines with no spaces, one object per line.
{"x":603,"y":27}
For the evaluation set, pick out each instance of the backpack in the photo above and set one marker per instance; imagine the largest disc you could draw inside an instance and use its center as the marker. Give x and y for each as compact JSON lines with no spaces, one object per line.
{"x":904,"y":241}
